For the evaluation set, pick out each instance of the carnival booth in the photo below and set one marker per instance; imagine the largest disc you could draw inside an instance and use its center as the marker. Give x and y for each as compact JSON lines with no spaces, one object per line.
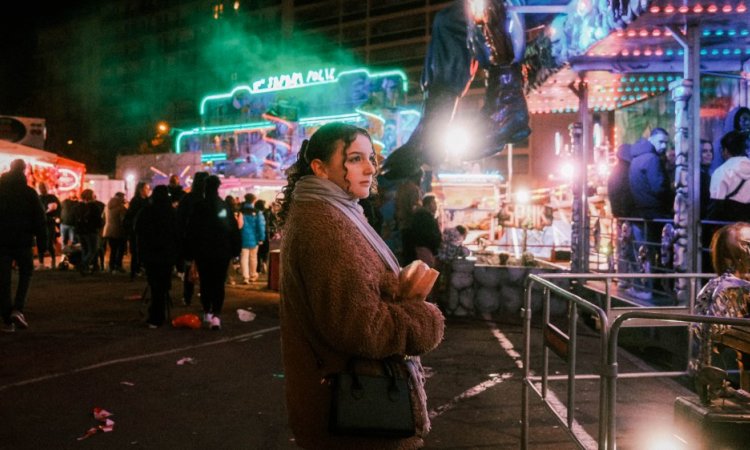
{"x":62,"y":174}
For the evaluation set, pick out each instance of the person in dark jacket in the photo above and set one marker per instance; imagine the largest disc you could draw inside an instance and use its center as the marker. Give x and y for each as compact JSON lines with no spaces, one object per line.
{"x":156,"y":235}
{"x":423,"y":237}
{"x":621,"y":202}
{"x":213,"y":239}
{"x":89,"y":222}
{"x":653,"y":198}
{"x":142,"y":191}
{"x":68,"y":219}
{"x":21,"y":219}
{"x":184,"y":210}
{"x":52,"y":208}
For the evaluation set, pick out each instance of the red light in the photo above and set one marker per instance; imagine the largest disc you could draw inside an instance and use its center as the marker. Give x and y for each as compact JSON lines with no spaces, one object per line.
{"x":726,"y":9}
{"x":669,"y":9}
{"x":654,"y":10}
{"x":643,"y":33}
{"x":683,"y":9}
{"x":712,"y":9}
{"x":741,"y":8}
{"x":698,"y":9}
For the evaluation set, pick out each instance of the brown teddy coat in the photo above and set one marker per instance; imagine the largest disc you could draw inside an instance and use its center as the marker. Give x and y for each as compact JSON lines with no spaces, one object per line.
{"x":337,"y":301}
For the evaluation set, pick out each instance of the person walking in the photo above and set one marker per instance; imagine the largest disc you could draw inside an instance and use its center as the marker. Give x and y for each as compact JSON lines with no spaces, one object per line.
{"x":340,"y":289}
{"x":156,"y":234}
{"x":21,"y":219}
{"x":184,"y":211}
{"x":213,"y":239}
{"x":52,"y":208}
{"x":114,"y":231}
{"x":253,"y":234}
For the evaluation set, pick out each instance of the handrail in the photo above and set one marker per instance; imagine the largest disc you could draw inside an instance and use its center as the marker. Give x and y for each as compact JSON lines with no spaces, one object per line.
{"x":612,"y":352}
{"x":575,"y":302}
{"x":608,"y":370}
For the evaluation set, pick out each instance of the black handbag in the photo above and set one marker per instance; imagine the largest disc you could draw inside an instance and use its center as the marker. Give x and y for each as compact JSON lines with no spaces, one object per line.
{"x":371,"y":405}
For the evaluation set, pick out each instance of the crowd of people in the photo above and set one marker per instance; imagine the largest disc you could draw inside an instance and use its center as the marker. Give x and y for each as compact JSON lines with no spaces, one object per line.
{"x":165,"y":232}
{"x":641,"y":192}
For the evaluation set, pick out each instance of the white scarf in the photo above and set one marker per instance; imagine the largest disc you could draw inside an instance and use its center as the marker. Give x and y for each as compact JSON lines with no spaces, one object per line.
{"x":311,"y":187}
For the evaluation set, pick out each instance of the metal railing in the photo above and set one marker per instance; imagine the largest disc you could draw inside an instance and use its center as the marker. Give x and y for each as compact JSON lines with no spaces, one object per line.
{"x":565,"y":346}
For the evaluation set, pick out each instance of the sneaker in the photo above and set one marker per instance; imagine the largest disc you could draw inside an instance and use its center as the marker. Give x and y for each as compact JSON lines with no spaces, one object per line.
{"x":639,"y":294}
{"x":208,"y":318}
{"x":8,"y":327}
{"x":246,"y":281}
{"x":215,"y":323}
{"x":18,"y":319}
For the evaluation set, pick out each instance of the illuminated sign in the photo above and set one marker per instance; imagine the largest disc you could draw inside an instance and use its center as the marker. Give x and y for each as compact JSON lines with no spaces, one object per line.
{"x":67,"y":180}
{"x":294,"y":79}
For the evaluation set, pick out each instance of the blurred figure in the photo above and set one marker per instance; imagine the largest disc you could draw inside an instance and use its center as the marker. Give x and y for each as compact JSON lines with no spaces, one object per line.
{"x":68,"y":220}
{"x":423,"y":237}
{"x":184,"y":211}
{"x":142,"y":191}
{"x":52,"y":209}
{"x":101,"y":246}
{"x":213,"y":239}
{"x":175,"y":190}
{"x":21,"y":219}
{"x":621,"y":202}
{"x":156,"y":231}
{"x":88,"y":223}
{"x":114,"y":231}
{"x":236,"y":207}
{"x":265,"y":245}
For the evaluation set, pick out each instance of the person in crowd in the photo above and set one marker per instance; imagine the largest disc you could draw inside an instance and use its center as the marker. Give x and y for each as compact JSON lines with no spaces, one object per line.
{"x":184,"y":211}
{"x":176,"y":192}
{"x":737,"y":119}
{"x":88,"y":223}
{"x":265,"y":246}
{"x":653,"y":198}
{"x":621,"y":203}
{"x":371,"y":206}
{"x":22,"y":218}
{"x":68,"y":219}
{"x":213,"y":239}
{"x":101,"y":246}
{"x":422,"y":239}
{"x":114,"y":231}
{"x":726,"y":295}
{"x":253,"y":234}
{"x":730,"y":190}
{"x":236,"y":207}
{"x":52,"y":209}
{"x":156,"y":234}
{"x":340,"y":287}
{"x":138,"y":201}
{"x":707,"y":155}
{"x":452,"y":245}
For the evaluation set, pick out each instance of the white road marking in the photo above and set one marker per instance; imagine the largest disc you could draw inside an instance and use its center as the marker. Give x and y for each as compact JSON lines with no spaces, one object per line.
{"x":137,"y":358}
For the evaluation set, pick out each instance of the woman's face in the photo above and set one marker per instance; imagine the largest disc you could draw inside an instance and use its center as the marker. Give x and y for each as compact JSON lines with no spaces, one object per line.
{"x":707,"y":154}
{"x":352,"y":172}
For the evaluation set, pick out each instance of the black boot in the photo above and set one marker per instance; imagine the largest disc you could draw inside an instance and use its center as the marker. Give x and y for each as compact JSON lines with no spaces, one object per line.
{"x":505,"y":113}
{"x":424,"y":144}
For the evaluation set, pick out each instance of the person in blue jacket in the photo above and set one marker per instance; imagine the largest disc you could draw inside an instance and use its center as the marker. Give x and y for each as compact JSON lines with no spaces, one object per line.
{"x":253,"y":234}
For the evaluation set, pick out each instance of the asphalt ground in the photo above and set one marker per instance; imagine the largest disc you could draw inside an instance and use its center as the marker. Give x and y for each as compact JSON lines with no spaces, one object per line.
{"x":88,"y":347}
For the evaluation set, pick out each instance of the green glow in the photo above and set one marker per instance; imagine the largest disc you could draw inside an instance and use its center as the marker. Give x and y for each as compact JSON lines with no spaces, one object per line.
{"x":371,"y":115}
{"x":254,"y":126}
{"x":298,"y":82}
{"x":210,"y":157}
{"x":220,"y":129}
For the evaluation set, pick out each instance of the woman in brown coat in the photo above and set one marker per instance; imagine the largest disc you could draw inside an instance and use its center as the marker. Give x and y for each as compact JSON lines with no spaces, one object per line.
{"x":340,"y":293}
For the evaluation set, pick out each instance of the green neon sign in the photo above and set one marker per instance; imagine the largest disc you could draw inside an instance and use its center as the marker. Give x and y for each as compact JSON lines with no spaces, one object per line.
{"x":297,"y":80}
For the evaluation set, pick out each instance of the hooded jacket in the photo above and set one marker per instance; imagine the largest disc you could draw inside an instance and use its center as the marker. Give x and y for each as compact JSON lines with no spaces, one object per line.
{"x":649,"y":183}
{"x":618,"y":184}
{"x":730,"y":190}
{"x":338,"y":301}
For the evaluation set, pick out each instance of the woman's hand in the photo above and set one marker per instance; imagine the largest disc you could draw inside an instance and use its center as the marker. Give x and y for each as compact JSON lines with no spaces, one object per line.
{"x":416,"y":281}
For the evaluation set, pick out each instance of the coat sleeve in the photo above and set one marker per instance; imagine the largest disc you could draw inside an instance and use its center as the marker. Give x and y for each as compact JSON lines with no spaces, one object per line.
{"x":341,"y":276}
